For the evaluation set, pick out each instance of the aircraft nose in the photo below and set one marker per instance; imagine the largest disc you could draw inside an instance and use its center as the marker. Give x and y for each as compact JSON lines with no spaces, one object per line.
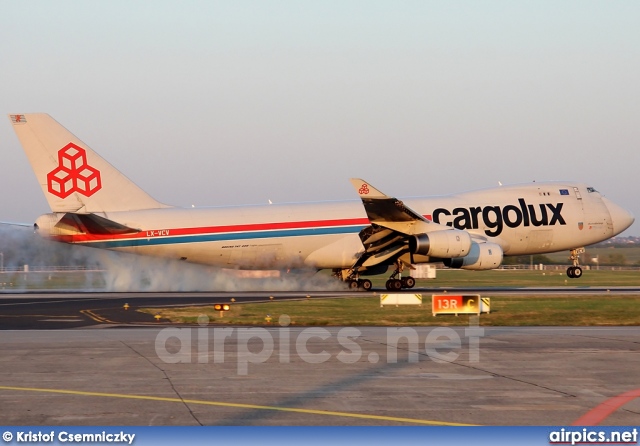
{"x":621,"y":218}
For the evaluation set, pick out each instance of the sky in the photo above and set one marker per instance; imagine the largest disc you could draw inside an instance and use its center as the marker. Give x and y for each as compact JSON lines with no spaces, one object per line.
{"x":240,"y":102}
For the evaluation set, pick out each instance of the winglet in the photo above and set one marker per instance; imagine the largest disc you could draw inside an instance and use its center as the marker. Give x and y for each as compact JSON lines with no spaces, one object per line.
{"x":366,"y":190}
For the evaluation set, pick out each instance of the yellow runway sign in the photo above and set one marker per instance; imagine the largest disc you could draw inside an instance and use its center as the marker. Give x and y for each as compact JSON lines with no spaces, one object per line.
{"x":459,"y":304}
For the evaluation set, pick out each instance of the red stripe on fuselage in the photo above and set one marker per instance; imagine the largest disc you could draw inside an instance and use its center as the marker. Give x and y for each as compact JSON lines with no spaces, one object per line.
{"x":212,"y":230}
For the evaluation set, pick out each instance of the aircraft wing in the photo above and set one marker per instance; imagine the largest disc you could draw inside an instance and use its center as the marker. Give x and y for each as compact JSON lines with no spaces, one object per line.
{"x":391,"y":213}
{"x":399,"y":234}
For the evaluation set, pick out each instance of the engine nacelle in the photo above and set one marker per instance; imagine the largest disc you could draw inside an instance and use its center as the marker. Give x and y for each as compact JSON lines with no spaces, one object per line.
{"x":482,"y":256}
{"x":445,"y":244}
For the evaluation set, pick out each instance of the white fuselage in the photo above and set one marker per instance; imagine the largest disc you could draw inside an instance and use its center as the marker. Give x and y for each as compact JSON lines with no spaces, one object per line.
{"x":525,"y":219}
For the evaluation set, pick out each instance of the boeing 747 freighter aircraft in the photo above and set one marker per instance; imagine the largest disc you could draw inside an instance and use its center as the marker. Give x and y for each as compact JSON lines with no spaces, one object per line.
{"x":93,"y":204}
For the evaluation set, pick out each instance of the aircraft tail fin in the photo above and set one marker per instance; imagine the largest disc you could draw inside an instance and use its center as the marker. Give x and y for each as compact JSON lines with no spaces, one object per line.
{"x":73,"y":177}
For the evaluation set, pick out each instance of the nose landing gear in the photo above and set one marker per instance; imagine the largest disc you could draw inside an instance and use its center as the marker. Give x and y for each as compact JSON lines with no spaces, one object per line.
{"x":575,"y":272}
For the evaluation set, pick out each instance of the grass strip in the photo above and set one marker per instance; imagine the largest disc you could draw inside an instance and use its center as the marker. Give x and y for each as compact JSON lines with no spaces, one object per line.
{"x":530,"y":310}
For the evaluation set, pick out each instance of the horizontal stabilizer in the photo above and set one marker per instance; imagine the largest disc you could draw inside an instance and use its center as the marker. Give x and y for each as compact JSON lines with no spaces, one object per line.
{"x":93,"y":224}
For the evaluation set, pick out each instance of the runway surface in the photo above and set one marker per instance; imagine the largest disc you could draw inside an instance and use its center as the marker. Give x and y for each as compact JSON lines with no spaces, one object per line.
{"x":70,"y":309}
{"x":62,"y":363}
{"x":321,"y":376}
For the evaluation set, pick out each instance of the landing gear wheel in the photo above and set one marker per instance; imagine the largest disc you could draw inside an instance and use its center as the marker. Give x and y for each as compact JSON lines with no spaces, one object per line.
{"x":571,"y":272}
{"x":577,"y":272}
{"x":394,"y":285}
{"x":408,"y":282}
{"x":353,"y":285}
{"x":366,"y":284}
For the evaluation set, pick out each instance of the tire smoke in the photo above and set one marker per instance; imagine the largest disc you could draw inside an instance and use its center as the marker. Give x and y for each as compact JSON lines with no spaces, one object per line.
{"x":121,"y":272}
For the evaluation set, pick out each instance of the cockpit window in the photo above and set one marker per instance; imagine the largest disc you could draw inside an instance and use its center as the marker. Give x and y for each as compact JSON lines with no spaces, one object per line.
{"x":591,"y":190}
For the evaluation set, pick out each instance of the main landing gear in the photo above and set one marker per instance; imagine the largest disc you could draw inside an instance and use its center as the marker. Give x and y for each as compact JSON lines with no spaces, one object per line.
{"x":396,"y":283}
{"x":575,"y":272}
{"x":351,"y":278}
{"x":363,"y":284}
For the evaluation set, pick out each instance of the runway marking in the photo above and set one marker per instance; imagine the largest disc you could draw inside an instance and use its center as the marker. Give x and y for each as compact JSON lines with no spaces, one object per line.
{"x":60,"y":320}
{"x":237,"y":405}
{"x":37,"y":315}
{"x":96,"y":317}
{"x":599,"y":413}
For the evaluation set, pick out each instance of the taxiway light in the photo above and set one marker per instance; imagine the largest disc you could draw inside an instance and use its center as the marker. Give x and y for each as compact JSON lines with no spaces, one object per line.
{"x":222,"y":307}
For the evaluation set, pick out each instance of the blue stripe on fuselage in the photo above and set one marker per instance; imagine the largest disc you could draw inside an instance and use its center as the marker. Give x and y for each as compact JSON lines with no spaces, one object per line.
{"x":154,"y":241}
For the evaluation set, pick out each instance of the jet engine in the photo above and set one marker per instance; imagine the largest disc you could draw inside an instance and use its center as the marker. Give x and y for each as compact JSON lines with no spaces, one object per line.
{"x":444,"y":244}
{"x":482,"y":256}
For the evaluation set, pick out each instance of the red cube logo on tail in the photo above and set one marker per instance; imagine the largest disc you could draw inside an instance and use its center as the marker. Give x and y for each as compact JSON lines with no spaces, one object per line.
{"x":73,"y":174}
